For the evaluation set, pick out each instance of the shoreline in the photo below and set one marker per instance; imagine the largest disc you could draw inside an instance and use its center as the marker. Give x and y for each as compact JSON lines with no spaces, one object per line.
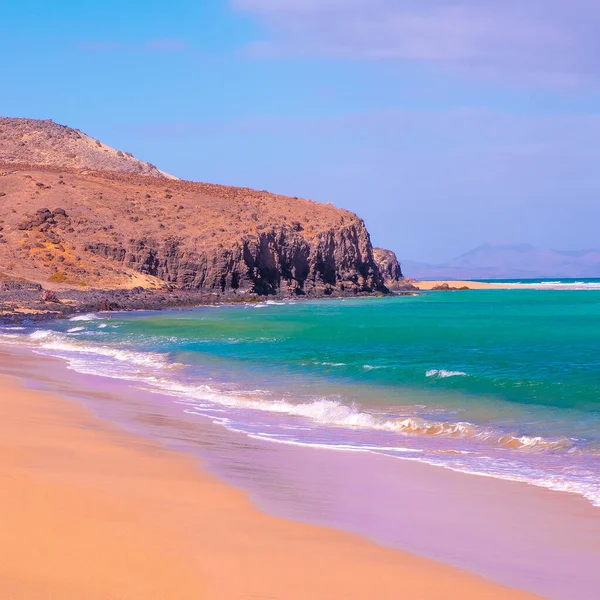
{"x":131,"y":515}
{"x":473,"y":285}
{"x":469,"y":284}
{"x":25,"y":305}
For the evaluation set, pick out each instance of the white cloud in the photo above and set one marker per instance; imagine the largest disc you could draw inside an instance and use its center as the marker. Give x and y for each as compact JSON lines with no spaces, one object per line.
{"x":553,"y":40}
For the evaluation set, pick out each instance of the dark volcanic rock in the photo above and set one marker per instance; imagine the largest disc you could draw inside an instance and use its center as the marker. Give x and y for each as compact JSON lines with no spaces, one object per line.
{"x":276,"y":262}
{"x":391,"y":271}
{"x":49,"y":296}
{"x":19,"y":286}
{"x":445,"y":287}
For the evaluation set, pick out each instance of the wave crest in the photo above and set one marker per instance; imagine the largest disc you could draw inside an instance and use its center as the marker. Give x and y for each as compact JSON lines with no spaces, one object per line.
{"x":51,"y":340}
{"x":336,"y":413}
{"x":86,"y":317}
{"x":443,"y":374}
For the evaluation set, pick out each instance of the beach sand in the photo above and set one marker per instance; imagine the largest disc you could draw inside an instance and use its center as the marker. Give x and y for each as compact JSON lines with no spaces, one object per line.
{"x":472,"y":285}
{"x":90,"y":511}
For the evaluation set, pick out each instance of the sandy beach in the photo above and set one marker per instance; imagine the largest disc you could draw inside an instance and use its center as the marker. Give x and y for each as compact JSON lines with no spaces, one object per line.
{"x":98,"y":513}
{"x":472,"y":285}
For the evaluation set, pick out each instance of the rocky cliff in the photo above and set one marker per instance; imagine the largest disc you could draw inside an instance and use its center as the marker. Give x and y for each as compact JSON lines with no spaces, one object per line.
{"x":278,"y":261}
{"x":391,"y":271}
{"x":98,"y":230}
{"x":80,"y":218}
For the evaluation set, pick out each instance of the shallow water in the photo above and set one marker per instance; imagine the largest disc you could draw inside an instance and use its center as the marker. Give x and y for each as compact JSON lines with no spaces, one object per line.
{"x":502,"y":383}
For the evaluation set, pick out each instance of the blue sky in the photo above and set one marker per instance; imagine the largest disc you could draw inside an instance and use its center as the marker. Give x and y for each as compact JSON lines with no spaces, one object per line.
{"x":444,"y":124}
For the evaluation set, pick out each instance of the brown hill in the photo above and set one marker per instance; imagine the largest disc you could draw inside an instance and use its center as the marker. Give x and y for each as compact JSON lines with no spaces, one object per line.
{"x":92,"y":224}
{"x":106,"y":230}
{"x":34,"y":141}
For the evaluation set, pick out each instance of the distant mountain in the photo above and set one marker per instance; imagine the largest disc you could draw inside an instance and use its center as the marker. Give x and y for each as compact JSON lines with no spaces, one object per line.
{"x":510,"y":261}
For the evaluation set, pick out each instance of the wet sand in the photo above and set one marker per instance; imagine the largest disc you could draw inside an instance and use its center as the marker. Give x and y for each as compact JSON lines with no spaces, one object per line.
{"x":94,"y":512}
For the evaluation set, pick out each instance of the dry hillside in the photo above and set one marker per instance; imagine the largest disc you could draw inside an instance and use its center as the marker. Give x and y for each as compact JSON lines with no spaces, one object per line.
{"x":98,"y":226}
{"x":38,"y":142}
{"x":107,"y":230}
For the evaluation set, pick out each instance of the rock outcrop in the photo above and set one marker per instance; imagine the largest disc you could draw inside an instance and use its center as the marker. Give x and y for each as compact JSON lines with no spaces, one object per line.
{"x":446,"y":287}
{"x":279,"y":261}
{"x":391,"y":271}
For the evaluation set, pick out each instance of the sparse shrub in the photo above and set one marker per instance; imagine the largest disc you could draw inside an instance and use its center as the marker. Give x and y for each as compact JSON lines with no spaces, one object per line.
{"x":58,"y":277}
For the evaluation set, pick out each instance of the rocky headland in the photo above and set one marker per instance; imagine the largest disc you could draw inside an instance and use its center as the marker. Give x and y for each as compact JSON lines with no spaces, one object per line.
{"x":104,"y":234}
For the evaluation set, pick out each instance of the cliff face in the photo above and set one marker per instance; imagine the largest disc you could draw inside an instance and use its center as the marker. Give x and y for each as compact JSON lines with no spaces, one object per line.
{"x":278,"y":261}
{"x":389,"y":266}
{"x":391,"y":271}
{"x":39,"y":142}
{"x":107,"y":230}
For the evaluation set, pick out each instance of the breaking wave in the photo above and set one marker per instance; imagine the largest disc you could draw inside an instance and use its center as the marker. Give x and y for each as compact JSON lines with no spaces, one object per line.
{"x":329,"y":412}
{"x":335,"y":421}
{"x":443,"y":374}
{"x":44,"y":339}
{"x":86,"y":317}
{"x":321,"y":411}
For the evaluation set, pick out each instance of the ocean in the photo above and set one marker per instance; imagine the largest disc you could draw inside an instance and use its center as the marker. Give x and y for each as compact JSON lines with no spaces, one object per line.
{"x":567,"y":283}
{"x":501,"y":383}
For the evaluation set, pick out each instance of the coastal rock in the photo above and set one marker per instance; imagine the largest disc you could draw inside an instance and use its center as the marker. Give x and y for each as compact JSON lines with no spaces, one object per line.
{"x":124,"y":226}
{"x":19,"y":286}
{"x":275,"y":262}
{"x":445,"y":287}
{"x":391,"y":271}
{"x":49,"y":296}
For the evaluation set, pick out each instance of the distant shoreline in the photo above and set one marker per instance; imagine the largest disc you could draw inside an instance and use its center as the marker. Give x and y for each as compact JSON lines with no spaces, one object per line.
{"x":539,"y":284}
{"x":472,"y":285}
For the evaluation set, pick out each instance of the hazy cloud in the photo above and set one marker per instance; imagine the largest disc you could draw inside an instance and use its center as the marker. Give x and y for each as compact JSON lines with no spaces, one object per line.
{"x":544,"y":41}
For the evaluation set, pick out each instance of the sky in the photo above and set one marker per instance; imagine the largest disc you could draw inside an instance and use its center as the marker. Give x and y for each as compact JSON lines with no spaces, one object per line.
{"x":444,"y":124}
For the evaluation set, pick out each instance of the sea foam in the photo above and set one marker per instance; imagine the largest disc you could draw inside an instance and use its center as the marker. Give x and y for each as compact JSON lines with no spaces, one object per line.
{"x":325,"y":411}
{"x":86,"y":317}
{"x":443,"y":374}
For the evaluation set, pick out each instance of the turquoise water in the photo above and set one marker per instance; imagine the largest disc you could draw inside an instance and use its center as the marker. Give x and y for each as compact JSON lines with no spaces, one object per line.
{"x":502,"y":383}
{"x":553,"y":282}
